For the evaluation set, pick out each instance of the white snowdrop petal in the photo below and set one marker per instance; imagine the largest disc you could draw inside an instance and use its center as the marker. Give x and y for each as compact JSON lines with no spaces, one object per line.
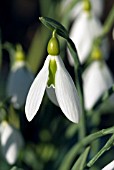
{"x":66,"y":93}
{"x":11,"y":142}
{"x":97,"y":7}
{"x":97,"y":78}
{"x":19,"y":81}
{"x":83,"y":34}
{"x":51,"y":94}
{"x":110,"y":166}
{"x":36,"y":91}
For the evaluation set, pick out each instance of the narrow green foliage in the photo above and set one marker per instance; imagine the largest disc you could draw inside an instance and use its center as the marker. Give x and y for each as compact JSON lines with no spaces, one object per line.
{"x":80,"y":163}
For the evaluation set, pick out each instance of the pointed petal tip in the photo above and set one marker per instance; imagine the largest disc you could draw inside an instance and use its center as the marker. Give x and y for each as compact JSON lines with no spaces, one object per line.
{"x":28,"y":116}
{"x":75,"y":120}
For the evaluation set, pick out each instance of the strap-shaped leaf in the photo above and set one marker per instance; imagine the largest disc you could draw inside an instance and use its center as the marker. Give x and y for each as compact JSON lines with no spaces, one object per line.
{"x":52,"y":24}
{"x":80,"y":163}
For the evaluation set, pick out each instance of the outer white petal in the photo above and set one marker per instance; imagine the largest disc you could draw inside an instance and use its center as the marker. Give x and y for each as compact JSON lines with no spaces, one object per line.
{"x":11,"y":142}
{"x":83,"y":34}
{"x":97,"y":78}
{"x":66,"y":93}
{"x":110,"y":166}
{"x":51,"y":94}
{"x":36,"y":91}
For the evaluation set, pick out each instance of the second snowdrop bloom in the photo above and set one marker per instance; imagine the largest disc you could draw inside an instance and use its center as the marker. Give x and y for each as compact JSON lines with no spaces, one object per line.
{"x":97,"y":79}
{"x":60,"y":87}
{"x":96,"y":5}
{"x":11,"y":142}
{"x":83,"y":34}
{"x":19,"y":80}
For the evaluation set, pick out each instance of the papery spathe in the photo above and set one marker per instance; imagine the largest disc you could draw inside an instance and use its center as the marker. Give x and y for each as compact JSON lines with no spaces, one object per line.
{"x":64,"y":91}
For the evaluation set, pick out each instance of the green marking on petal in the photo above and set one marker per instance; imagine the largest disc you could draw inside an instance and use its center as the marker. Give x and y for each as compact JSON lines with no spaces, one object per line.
{"x":53,"y":45}
{"x":52,"y":72}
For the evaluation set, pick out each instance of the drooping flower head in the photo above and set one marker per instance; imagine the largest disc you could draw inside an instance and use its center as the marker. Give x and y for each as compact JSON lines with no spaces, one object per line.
{"x":85,"y":29}
{"x":19,"y":80}
{"x":97,"y":78}
{"x":55,"y":79}
{"x":11,"y":142}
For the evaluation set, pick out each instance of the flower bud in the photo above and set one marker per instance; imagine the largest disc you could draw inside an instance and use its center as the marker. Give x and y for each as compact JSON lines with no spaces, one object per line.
{"x":53,"y":45}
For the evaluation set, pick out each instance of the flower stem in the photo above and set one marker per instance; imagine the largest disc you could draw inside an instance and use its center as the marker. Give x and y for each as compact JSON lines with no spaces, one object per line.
{"x":109,"y":21}
{"x":79,"y":85}
{"x":106,"y":147}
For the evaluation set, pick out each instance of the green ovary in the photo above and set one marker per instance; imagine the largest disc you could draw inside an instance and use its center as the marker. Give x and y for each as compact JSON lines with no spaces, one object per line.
{"x":52,"y":72}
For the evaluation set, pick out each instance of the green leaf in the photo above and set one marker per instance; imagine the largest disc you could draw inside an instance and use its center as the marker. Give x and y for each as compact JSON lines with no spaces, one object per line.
{"x":75,"y":150}
{"x":105,"y":148}
{"x":80,"y":163}
{"x":54,"y":25}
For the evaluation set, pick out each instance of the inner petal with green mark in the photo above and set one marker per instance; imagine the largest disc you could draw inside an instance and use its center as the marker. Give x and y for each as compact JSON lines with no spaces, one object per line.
{"x":52,"y":72}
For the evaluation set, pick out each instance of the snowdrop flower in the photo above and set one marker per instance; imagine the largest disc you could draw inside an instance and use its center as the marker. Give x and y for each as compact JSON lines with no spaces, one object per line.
{"x":83,"y":32}
{"x":96,"y":80}
{"x":11,"y":142}
{"x":54,"y":78}
{"x":19,"y":80}
{"x":110,"y":166}
{"x":96,"y":8}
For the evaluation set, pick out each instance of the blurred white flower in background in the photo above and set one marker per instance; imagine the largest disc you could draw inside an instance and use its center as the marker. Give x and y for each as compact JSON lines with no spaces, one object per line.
{"x":19,"y":80}
{"x":11,"y":142}
{"x":83,"y":32}
{"x":110,"y":166}
{"x":97,"y":79}
{"x":96,"y":5}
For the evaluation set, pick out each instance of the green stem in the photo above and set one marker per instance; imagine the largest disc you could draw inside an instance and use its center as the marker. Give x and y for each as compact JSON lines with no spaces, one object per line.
{"x":106,"y":28}
{"x":74,"y":53}
{"x":76,"y":149}
{"x":103,"y":97}
{"x":109,"y":21}
{"x":106,"y":147}
{"x":79,"y":85}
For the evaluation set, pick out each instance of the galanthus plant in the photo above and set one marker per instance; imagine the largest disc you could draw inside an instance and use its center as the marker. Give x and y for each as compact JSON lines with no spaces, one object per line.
{"x":63,"y":117}
{"x":97,"y":78}
{"x":97,"y":7}
{"x":11,"y":142}
{"x":83,"y":34}
{"x":55,"y":78}
{"x":72,"y":97}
